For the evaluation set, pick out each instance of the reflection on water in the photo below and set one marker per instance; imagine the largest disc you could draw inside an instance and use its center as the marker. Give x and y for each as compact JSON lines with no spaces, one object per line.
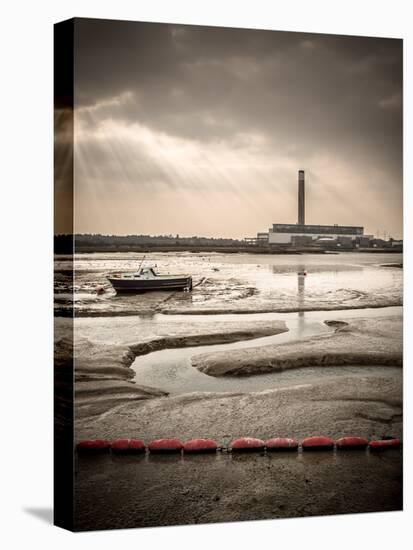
{"x":301,"y":275}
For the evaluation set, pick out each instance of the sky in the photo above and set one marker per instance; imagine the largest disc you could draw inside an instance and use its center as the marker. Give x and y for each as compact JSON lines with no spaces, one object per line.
{"x":201,"y":131}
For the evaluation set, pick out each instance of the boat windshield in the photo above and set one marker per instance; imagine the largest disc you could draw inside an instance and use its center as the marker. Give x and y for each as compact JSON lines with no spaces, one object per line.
{"x":147,"y":272}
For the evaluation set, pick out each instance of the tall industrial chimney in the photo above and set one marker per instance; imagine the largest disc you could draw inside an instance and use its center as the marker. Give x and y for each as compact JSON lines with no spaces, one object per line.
{"x":301,"y":198}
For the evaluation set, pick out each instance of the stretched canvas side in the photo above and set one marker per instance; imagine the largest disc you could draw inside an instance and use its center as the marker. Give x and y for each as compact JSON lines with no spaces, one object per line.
{"x":63,"y":226}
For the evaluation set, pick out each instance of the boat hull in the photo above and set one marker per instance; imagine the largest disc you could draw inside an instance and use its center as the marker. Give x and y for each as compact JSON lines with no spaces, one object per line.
{"x":147,"y":285}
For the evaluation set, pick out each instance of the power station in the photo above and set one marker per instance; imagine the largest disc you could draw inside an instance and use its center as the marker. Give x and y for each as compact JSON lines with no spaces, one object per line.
{"x":304,"y":234}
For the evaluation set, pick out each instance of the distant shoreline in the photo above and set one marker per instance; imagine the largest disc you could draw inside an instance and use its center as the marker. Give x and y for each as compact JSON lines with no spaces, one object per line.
{"x":223,"y":249}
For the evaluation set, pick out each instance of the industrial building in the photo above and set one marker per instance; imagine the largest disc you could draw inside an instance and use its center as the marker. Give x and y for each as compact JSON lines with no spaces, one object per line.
{"x":282,"y":233}
{"x":304,"y":234}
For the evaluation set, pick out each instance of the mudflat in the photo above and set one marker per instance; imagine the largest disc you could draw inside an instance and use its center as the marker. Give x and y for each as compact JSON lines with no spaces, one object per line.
{"x":103,"y":374}
{"x":368,"y":407}
{"x":158,"y":490}
{"x":354,"y":342}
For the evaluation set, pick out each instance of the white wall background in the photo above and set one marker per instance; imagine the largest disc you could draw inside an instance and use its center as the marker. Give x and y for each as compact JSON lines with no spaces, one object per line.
{"x":26,"y":274}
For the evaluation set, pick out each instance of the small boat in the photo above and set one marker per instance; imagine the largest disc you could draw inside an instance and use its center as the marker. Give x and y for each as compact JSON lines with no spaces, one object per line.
{"x":146,"y":279}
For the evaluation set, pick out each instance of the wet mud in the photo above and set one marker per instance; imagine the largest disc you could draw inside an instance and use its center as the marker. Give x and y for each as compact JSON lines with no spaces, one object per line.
{"x":173,"y":490}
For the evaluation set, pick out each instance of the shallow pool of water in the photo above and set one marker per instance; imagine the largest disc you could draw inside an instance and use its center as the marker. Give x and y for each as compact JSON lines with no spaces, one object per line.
{"x":172,"y":371}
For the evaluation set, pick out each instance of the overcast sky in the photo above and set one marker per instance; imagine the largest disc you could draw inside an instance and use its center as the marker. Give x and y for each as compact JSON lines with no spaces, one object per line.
{"x":201,"y":131}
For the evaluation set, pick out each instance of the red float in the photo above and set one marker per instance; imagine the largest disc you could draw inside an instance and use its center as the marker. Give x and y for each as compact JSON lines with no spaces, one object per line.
{"x":384,"y":444}
{"x":128,"y":446}
{"x":200,"y":446}
{"x":93,"y":445}
{"x":247,"y":444}
{"x":281,"y":444}
{"x":351,"y":443}
{"x":317,"y":443}
{"x":165,"y":446}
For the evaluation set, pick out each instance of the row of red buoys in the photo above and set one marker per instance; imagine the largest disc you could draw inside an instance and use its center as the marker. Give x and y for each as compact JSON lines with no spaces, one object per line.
{"x":242,"y":444}
{"x":170,"y":445}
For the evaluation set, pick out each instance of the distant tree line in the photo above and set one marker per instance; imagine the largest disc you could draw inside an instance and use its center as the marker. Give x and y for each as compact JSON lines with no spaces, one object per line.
{"x":64,"y":244}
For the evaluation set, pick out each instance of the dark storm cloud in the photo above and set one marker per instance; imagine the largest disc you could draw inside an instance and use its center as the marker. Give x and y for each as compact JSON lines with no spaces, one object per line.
{"x":303,"y":95}
{"x":179,"y":75}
